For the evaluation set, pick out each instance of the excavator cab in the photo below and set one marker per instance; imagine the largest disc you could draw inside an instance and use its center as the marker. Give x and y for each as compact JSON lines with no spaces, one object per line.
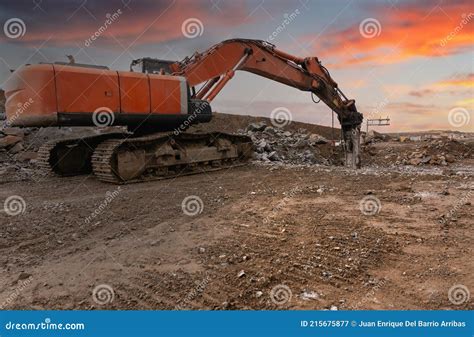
{"x":148,"y":65}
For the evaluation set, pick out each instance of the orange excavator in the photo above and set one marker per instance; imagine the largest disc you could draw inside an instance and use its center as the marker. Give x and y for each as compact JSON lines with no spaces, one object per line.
{"x":157,"y":104}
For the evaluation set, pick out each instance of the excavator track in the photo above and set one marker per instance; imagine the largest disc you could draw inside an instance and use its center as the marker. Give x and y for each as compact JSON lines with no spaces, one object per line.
{"x":72,"y":156}
{"x":164,"y":156}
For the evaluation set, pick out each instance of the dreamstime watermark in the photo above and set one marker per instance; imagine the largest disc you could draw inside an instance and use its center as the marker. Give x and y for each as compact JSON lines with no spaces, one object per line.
{"x":378,"y":108}
{"x":14,"y":205}
{"x":281,"y":117}
{"x":192,"y":205}
{"x":370,"y":205}
{"x":110,"y":19}
{"x":452,"y":212}
{"x":370,"y":294}
{"x":14,"y":28}
{"x":21,"y":108}
{"x":370,"y":28}
{"x":290,"y":195}
{"x":466,"y":18}
{"x":45,"y":325}
{"x":458,"y":294}
{"x":103,"y":294}
{"x":109,"y":197}
{"x":16,"y":292}
{"x":103,"y":117}
{"x":287,"y":20}
{"x":459,"y":117}
{"x":192,"y":27}
{"x":193,"y":294}
{"x":281,"y":294}
{"x":189,"y":120}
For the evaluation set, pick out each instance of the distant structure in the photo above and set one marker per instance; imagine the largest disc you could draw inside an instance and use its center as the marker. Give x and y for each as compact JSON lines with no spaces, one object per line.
{"x":377,"y":122}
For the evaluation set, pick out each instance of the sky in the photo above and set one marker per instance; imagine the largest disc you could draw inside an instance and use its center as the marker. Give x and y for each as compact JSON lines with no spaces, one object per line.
{"x":411,"y":61}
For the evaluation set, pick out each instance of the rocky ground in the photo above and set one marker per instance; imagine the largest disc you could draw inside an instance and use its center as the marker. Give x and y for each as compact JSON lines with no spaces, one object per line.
{"x":292,"y":230}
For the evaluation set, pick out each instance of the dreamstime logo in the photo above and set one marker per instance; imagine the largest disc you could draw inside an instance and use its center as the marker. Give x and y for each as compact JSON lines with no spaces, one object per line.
{"x":192,"y":205}
{"x":103,"y":116}
{"x":16,"y":292}
{"x":459,"y":117}
{"x":458,"y":294}
{"x":192,"y":28}
{"x":291,"y":194}
{"x":370,"y":28}
{"x":281,"y":294}
{"x":445,"y":218}
{"x":14,"y":28}
{"x":109,"y":197}
{"x":287,"y":19}
{"x":189,"y":120}
{"x":281,"y":117}
{"x":378,"y":108}
{"x":21,"y":108}
{"x":466,"y":18}
{"x":14,"y":205}
{"x":370,"y":205}
{"x":103,"y":294}
{"x":369,"y":294}
{"x":110,"y":18}
{"x":191,"y":295}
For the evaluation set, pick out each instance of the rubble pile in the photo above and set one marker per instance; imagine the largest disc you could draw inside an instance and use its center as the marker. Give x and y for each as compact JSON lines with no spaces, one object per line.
{"x":15,"y":155}
{"x":12,"y":145}
{"x":431,"y":152}
{"x":274,"y":144}
{"x":440,"y":152}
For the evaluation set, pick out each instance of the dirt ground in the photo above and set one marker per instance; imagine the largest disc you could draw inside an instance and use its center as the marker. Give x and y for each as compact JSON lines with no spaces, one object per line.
{"x":265,"y":237}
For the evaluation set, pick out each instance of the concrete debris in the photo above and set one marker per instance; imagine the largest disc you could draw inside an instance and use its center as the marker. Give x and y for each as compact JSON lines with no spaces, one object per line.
{"x":309,"y":295}
{"x":26,"y":156}
{"x":438,"y":152}
{"x":16,"y":148}
{"x":8,"y":141}
{"x":253,"y":127}
{"x":277,"y":145}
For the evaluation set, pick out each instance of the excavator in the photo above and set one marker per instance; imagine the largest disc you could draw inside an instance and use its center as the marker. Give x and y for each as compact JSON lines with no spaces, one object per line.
{"x":157,"y":100}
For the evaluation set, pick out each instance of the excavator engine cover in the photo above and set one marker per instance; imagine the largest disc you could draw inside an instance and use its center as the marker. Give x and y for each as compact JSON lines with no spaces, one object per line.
{"x":68,"y":95}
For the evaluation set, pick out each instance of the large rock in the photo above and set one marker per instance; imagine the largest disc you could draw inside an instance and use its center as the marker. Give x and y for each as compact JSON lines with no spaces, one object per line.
{"x":373,"y":135}
{"x":26,"y":156}
{"x":16,"y":148}
{"x":254,"y":127}
{"x":317,"y":139}
{"x":415,"y":161}
{"x":14,"y":132}
{"x":9,"y":141}
{"x":450,"y":158}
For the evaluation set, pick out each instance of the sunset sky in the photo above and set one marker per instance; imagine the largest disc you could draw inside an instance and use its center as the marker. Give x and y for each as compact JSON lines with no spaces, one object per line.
{"x":410,"y":60}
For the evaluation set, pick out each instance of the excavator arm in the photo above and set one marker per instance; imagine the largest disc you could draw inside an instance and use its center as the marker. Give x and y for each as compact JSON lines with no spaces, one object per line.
{"x":214,"y":68}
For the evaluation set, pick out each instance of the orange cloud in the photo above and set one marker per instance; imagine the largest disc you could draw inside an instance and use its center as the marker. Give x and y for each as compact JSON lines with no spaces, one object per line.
{"x":421,"y":93}
{"x":157,"y":22}
{"x":400,"y":33}
{"x":463,"y":80}
{"x":455,"y":85}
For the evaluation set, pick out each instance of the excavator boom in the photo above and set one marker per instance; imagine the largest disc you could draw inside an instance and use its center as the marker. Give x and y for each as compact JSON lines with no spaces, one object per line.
{"x":214,"y":68}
